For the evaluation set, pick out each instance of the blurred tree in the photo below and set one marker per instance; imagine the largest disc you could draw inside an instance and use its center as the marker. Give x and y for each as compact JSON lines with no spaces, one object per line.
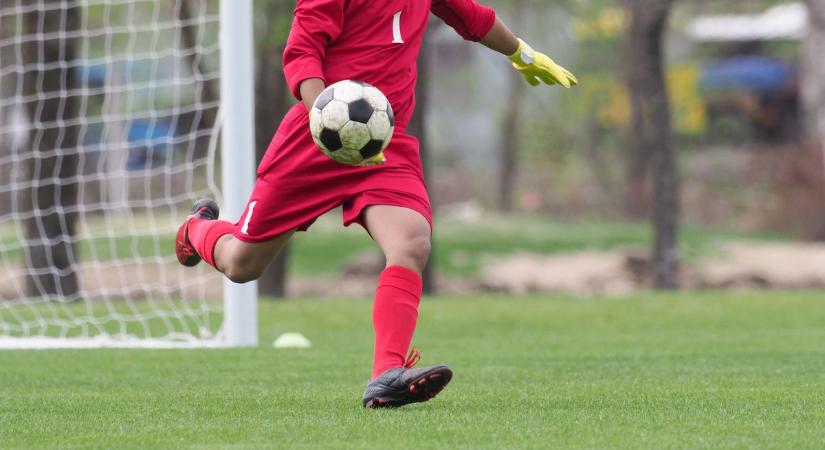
{"x":510,"y":142}
{"x":651,"y":148}
{"x":510,"y":147}
{"x":814,"y":86}
{"x":8,"y":85}
{"x":51,"y":201}
{"x":814,"y":74}
{"x":189,"y":35}
{"x":272,"y":103}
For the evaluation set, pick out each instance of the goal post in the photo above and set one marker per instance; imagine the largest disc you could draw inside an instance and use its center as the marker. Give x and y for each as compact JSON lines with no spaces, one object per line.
{"x":115,"y":115}
{"x":238,"y":148}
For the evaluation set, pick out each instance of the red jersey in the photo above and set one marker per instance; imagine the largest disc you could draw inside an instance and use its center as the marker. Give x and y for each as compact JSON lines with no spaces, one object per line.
{"x":376,"y":41}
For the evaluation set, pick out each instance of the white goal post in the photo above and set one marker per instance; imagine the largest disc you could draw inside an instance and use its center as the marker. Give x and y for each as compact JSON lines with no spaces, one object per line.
{"x":237,"y":83}
{"x":115,"y":115}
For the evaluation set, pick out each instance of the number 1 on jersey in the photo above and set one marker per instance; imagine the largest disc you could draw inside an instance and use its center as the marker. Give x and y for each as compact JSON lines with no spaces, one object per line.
{"x":396,"y":29}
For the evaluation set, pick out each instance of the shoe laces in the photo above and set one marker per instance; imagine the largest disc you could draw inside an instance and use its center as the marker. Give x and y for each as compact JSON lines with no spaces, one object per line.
{"x":412,"y":358}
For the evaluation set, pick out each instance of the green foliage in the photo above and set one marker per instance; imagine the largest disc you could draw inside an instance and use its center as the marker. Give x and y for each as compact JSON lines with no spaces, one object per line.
{"x":272,"y":21}
{"x":656,"y":371}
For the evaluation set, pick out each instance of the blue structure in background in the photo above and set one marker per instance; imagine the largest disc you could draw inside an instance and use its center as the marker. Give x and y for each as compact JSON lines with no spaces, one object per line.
{"x":150,"y":141}
{"x":761,"y":74}
{"x":752,"y":96}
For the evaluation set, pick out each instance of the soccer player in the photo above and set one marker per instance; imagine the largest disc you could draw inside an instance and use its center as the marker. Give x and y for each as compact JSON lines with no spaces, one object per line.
{"x":376,"y":41}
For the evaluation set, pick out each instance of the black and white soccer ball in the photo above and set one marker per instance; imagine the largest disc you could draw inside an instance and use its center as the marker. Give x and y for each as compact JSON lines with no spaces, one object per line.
{"x":352,"y":122}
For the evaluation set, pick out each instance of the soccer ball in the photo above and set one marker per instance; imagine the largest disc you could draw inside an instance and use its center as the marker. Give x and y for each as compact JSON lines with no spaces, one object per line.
{"x":351,"y":122}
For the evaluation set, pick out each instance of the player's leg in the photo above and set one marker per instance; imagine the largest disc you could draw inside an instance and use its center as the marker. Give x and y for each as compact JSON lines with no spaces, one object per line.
{"x":404,"y":236}
{"x":402,"y":233}
{"x":204,"y":237}
{"x":242,"y":261}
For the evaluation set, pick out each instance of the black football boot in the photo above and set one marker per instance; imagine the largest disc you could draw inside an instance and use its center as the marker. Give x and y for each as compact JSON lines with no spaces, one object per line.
{"x":403,"y":385}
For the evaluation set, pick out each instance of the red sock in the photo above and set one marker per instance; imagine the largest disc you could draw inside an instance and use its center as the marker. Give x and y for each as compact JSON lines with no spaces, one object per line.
{"x":394,"y":315}
{"x":204,"y":235}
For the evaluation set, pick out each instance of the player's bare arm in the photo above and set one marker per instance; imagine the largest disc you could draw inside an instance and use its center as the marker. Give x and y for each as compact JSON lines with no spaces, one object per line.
{"x":310,"y":89}
{"x":501,"y":39}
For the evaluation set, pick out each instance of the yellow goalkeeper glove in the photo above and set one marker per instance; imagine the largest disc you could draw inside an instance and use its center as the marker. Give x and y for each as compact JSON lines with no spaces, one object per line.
{"x":374,"y":161}
{"x":537,"y":67}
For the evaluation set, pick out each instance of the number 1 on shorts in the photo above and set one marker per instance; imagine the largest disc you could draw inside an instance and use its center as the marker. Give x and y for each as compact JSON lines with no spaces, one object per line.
{"x":396,"y":29}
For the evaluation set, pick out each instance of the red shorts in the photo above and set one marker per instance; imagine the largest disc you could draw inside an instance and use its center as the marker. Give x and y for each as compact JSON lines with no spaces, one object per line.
{"x":297,"y":183}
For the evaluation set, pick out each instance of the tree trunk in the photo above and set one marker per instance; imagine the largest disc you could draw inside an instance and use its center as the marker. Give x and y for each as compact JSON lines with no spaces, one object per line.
{"x":510,"y":143}
{"x":188,"y":34}
{"x":8,"y":109}
{"x":597,"y":160}
{"x":272,"y":93}
{"x":52,"y":163}
{"x":418,"y":127}
{"x":651,"y":137}
{"x":637,"y":164}
{"x":814,"y":75}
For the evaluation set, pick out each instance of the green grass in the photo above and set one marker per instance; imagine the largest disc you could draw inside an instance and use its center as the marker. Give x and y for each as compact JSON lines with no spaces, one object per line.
{"x":710,"y":370}
{"x":135,"y":319}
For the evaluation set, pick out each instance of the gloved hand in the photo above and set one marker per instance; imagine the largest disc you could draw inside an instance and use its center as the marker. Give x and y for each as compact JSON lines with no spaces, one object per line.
{"x":374,"y":161}
{"x":537,"y":67}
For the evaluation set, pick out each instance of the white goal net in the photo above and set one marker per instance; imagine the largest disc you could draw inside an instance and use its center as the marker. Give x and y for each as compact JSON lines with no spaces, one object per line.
{"x":109,"y":111}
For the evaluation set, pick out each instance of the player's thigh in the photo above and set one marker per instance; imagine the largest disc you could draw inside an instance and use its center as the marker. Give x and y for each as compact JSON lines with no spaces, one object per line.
{"x":250,"y":257}
{"x":398,"y":231}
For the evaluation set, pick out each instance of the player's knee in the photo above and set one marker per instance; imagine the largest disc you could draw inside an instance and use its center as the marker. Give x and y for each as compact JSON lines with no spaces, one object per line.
{"x":243,"y":270}
{"x":240,"y":277}
{"x":421,"y":250}
{"x":414,"y":252}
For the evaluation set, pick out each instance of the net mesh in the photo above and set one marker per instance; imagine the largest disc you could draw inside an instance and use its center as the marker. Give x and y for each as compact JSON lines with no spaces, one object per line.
{"x":108,"y":119}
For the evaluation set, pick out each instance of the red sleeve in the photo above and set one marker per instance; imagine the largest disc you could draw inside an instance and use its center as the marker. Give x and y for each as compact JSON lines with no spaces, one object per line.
{"x":470,"y":19}
{"x":317,"y":23}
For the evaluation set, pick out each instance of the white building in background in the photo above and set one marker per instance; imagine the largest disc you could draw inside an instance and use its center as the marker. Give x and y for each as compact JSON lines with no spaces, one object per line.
{"x":787,"y":21}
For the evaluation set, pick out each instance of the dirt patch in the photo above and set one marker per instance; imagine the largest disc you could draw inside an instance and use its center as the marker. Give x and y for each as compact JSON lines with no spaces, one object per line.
{"x":581,"y":273}
{"x":737,"y":265}
{"x":770,"y":265}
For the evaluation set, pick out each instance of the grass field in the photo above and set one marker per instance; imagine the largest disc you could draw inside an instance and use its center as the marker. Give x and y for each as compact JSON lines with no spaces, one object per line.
{"x":710,"y":370}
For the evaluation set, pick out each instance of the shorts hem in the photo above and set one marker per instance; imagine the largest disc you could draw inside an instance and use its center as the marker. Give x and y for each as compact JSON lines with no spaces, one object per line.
{"x":258,"y":239}
{"x":355,"y":214}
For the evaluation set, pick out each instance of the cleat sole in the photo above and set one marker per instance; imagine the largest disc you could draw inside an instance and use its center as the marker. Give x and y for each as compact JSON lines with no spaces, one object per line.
{"x":188,"y":259}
